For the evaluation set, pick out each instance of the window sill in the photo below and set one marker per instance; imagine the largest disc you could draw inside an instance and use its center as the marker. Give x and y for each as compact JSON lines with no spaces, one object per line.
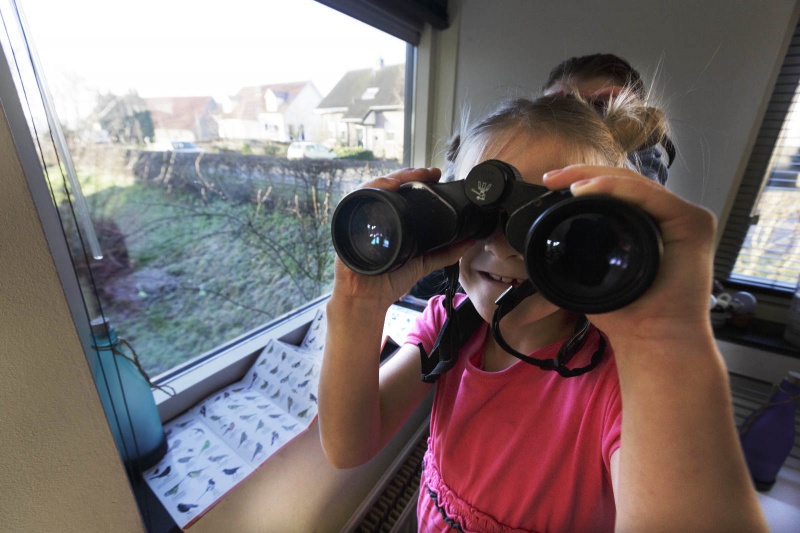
{"x":210,"y":372}
{"x":758,"y":351}
{"x":761,"y":334}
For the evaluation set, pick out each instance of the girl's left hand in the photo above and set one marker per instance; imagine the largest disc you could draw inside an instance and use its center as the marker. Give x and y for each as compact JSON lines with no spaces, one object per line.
{"x":677,"y":302}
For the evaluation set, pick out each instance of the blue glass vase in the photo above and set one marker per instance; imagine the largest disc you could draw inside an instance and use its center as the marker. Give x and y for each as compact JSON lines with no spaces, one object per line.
{"x":127,"y":399}
{"x":768,"y":434}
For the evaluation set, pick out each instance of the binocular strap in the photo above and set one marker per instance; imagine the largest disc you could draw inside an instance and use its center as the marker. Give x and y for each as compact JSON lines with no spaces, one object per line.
{"x":462,"y":322}
{"x":510,"y":299}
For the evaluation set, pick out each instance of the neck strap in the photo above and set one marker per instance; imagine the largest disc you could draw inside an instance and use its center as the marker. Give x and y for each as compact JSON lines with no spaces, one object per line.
{"x":462,"y":321}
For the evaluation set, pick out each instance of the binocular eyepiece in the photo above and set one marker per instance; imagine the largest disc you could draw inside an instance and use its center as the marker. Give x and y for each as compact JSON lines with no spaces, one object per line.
{"x":589,"y":254}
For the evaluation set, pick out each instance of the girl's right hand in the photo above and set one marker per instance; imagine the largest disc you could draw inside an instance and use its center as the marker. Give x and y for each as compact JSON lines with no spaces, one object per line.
{"x":385,"y":289}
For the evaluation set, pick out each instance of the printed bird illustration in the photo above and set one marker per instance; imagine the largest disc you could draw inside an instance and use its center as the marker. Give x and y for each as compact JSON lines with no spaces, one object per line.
{"x":260,"y":425}
{"x":206,"y":445}
{"x":242,"y":439}
{"x":162,"y":474}
{"x":209,"y":487}
{"x":304,"y":384}
{"x":259,"y":449}
{"x":231,"y":471}
{"x":255,"y":377}
{"x":312,"y":397}
{"x":174,"y":489}
{"x":303,"y":413}
{"x":229,"y":429}
{"x":195,"y":473}
{"x":186,"y":507}
{"x":217,"y":458}
{"x":275,"y":437}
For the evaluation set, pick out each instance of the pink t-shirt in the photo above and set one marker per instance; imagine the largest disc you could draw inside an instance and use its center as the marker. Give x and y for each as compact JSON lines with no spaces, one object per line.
{"x":522,"y":449}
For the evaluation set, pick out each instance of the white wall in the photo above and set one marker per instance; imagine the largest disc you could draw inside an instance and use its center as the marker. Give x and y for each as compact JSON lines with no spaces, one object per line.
{"x":61,"y":470}
{"x":711,"y":63}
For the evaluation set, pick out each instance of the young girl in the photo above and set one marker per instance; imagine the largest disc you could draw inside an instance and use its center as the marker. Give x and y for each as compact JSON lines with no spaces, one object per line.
{"x":514,"y":447}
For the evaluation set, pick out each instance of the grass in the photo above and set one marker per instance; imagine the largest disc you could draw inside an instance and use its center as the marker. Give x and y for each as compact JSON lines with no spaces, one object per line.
{"x":202,"y":274}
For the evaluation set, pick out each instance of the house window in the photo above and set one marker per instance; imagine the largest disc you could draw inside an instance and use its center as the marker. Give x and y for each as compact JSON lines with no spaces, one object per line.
{"x":205,"y":241}
{"x":760,"y":247}
{"x":370,"y":93}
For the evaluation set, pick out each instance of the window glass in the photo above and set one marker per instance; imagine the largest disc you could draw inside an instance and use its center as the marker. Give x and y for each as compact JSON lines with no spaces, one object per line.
{"x":770,"y":254}
{"x":178,"y":117}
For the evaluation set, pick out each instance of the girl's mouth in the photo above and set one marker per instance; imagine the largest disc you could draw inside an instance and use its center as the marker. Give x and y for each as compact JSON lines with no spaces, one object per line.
{"x":507,"y":281}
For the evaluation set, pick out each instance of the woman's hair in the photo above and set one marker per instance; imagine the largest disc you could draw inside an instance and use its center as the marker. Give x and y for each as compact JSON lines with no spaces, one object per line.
{"x":627,"y":125}
{"x":608,"y":66}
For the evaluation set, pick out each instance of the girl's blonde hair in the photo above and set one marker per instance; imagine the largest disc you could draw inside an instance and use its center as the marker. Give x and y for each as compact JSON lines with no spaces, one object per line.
{"x":624,"y":125}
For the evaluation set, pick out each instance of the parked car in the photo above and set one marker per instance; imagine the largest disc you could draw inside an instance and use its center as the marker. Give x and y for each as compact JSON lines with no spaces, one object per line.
{"x":176,"y":146}
{"x":309,"y":150}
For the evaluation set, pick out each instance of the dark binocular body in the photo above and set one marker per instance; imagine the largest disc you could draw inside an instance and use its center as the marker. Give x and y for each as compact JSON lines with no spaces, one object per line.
{"x":590,"y":254}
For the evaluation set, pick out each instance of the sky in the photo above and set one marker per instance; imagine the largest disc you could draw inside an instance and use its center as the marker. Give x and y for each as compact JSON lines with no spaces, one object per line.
{"x":198,"y":47}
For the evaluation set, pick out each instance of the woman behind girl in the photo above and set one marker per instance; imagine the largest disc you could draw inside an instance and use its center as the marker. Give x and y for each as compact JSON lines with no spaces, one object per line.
{"x":514,"y":447}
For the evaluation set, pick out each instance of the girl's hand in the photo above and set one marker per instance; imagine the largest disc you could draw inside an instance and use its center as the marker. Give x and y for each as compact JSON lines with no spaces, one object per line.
{"x":387,"y":288}
{"x":677,"y":302}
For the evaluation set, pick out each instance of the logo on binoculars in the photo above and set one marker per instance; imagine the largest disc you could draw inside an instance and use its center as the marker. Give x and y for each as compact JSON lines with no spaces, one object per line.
{"x":480,"y":192}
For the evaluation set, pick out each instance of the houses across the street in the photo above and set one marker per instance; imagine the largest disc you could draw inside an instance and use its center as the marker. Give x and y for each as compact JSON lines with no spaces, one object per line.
{"x":365,"y":109}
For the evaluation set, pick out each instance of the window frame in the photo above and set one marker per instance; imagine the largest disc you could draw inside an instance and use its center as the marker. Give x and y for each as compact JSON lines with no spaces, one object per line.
{"x":773,"y":301}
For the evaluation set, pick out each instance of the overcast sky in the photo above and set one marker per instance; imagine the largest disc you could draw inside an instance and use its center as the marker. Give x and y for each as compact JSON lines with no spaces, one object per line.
{"x":200,"y":47}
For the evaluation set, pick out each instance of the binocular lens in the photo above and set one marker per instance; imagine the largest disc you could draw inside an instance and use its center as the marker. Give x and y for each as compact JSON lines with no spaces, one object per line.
{"x":594,"y":258}
{"x":373,"y":233}
{"x":369,"y":232}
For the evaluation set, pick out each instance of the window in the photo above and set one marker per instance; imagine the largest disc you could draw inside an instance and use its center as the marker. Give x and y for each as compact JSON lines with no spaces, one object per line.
{"x":760,"y":247}
{"x":205,"y":229}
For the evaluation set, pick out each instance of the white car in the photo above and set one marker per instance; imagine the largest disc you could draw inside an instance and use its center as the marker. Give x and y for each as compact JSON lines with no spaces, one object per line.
{"x":308,"y":150}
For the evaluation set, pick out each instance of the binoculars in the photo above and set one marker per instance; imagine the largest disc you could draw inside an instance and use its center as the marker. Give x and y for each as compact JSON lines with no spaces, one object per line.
{"x":590,"y":254}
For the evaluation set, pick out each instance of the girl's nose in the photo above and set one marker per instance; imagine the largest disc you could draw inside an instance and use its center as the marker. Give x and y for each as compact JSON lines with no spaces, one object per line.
{"x":497,"y":244}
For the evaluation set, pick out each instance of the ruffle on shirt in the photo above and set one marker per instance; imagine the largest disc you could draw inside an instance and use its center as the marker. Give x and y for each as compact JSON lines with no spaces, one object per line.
{"x":468,"y":517}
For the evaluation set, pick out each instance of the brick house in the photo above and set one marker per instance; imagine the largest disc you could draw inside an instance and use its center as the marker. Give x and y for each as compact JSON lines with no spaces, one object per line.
{"x":366,"y":109}
{"x":183,"y":118}
{"x":280,"y":112}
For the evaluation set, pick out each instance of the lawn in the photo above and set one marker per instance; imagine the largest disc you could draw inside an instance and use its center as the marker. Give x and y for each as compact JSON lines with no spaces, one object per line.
{"x":188,"y":265}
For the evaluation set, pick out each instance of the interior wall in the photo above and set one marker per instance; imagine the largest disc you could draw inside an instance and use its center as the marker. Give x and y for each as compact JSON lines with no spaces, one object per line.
{"x":710,"y":65}
{"x":61,"y":470}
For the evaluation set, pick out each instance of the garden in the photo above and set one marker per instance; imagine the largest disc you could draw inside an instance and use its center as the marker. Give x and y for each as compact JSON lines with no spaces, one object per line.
{"x":201,"y":248}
